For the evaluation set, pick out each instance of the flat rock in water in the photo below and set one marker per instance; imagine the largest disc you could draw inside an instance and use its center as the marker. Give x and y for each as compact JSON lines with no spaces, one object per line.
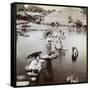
{"x":32,"y":74}
{"x":33,"y":79}
{"x":46,"y":57}
{"x":21,"y":77}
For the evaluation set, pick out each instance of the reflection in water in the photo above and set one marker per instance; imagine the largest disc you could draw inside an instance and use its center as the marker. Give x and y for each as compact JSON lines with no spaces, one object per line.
{"x":49,"y":71}
{"x":59,"y":68}
{"x":61,"y":54}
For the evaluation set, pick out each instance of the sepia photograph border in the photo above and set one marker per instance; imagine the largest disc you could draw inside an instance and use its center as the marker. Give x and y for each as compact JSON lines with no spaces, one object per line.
{"x":14,"y":36}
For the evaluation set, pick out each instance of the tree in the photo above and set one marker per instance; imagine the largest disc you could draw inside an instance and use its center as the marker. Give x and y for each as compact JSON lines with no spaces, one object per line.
{"x":78,"y":23}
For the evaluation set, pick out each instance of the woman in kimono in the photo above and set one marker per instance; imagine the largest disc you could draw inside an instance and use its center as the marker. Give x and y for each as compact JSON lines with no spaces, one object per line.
{"x":49,"y":43}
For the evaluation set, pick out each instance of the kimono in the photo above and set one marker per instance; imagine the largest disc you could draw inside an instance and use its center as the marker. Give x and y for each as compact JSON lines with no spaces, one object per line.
{"x":49,"y":45}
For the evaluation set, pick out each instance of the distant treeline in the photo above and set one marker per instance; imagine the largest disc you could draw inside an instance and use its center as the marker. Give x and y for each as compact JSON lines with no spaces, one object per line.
{"x":84,"y":11}
{"x":33,"y":8}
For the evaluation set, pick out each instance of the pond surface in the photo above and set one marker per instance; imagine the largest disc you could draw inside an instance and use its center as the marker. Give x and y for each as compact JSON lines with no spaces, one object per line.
{"x":58,"y":69}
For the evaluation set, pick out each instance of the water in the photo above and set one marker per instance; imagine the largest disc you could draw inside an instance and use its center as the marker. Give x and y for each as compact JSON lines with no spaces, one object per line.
{"x":59,"y":68}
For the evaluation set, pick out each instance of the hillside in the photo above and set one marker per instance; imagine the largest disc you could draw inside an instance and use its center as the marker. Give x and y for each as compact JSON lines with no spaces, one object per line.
{"x":62,"y":16}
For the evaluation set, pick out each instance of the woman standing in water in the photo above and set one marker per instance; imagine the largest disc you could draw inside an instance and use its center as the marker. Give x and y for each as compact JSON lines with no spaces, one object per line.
{"x":61,"y":37}
{"x":49,"y":43}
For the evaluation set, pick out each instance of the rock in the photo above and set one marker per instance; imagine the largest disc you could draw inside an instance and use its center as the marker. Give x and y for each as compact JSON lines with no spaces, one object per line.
{"x":21,"y":77}
{"x":72,"y":79}
{"x":33,"y":78}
